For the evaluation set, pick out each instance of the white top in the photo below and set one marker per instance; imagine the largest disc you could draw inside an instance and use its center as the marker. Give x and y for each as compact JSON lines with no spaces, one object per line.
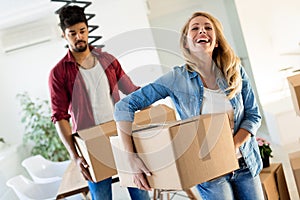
{"x":99,"y":92}
{"x":215,"y":101}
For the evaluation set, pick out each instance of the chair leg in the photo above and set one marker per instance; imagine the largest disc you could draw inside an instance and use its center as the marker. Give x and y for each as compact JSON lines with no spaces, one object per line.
{"x":85,"y":195}
{"x":168,"y":196}
{"x":159,"y":194}
{"x":154,"y":194}
{"x":190,"y":194}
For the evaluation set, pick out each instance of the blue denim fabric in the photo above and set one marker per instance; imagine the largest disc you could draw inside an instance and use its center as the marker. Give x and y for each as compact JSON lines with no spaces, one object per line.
{"x":239,"y":185}
{"x":185,"y":88}
{"x":102,"y":190}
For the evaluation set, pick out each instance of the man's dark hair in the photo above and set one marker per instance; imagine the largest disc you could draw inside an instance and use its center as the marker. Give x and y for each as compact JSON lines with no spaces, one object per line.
{"x":71,"y":15}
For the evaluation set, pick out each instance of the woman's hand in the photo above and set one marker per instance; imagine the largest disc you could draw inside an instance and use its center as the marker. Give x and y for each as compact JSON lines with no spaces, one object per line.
{"x":137,"y":166}
{"x":240,"y":138}
{"x":139,"y":170}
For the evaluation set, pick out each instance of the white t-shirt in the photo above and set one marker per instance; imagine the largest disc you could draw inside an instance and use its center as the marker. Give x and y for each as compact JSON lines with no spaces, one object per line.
{"x":215,"y":101}
{"x":99,"y":92}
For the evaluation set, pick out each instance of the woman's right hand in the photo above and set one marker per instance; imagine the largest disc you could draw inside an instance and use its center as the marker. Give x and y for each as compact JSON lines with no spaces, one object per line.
{"x":137,"y":166}
{"x":139,"y":170}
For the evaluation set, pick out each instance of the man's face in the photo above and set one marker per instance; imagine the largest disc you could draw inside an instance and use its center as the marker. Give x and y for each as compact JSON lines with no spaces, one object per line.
{"x":77,"y":37}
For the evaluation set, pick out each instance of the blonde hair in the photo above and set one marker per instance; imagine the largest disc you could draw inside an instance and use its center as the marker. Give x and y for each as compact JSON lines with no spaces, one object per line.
{"x":223,"y":55}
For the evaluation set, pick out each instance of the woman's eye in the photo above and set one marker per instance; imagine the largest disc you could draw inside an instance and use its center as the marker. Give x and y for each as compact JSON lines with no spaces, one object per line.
{"x":195,"y":28}
{"x":208,"y":28}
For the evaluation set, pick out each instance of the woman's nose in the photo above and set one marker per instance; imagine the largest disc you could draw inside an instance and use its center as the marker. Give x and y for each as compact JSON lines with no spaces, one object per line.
{"x":202,"y":30}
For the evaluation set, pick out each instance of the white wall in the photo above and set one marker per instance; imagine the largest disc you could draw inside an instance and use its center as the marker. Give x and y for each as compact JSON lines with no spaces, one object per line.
{"x":271,"y":28}
{"x":270,"y":33}
{"x":28,"y":69}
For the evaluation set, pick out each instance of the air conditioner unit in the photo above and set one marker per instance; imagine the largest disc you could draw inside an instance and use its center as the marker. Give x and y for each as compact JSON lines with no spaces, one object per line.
{"x":27,"y":35}
{"x":27,"y":26}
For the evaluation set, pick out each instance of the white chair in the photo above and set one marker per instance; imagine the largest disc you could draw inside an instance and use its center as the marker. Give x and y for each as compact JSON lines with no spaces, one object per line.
{"x":26,"y":189}
{"x":42,"y":170}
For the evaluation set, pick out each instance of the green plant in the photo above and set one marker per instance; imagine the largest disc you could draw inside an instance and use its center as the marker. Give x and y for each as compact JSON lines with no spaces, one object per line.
{"x":2,"y":140}
{"x":264,"y":148}
{"x":39,"y":130}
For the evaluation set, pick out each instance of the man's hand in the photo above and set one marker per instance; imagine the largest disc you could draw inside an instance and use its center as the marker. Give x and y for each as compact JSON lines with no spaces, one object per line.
{"x":83,"y":166}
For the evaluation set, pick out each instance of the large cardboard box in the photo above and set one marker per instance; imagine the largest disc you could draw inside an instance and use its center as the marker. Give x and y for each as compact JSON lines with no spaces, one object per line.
{"x":274,"y":182}
{"x":295,"y":164}
{"x":294,"y":84}
{"x":181,"y":154}
{"x":94,"y":145}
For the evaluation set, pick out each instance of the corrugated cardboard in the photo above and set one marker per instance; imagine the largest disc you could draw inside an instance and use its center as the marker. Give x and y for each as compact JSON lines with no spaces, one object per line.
{"x":295,"y":164}
{"x":94,"y":145}
{"x":294,"y":84}
{"x":181,"y":154}
{"x":269,"y":186}
{"x":276,"y":170}
{"x":153,"y":115}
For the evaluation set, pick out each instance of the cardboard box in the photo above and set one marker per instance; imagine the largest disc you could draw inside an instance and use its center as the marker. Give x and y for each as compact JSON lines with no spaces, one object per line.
{"x":181,"y":154}
{"x":94,"y":145}
{"x":294,"y":84}
{"x":275,"y":176}
{"x":269,"y":186}
{"x":295,"y":164}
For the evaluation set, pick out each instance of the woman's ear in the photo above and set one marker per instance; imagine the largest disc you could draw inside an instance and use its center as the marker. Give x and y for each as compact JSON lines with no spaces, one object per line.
{"x":217,"y":44}
{"x":185,"y":44}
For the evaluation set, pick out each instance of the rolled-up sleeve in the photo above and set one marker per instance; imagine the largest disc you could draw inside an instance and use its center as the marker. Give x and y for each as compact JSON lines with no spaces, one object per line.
{"x":252,"y":117}
{"x":59,"y":98}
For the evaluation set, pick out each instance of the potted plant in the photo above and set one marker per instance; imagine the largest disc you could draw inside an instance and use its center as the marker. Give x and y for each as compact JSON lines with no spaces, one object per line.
{"x":265,"y":151}
{"x":39,"y":130}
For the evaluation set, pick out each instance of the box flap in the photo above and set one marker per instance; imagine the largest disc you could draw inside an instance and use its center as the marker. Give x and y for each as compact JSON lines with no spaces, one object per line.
{"x":139,"y":131}
{"x":155,"y":114}
{"x":108,"y":128}
{"x":294,"y":85}
{"x":295,"y":159}
{"x":294,"y":80}
{"x":271,"y":169}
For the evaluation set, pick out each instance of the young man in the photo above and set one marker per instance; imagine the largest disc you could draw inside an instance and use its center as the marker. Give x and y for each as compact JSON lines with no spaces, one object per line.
{"x":84,"y":86}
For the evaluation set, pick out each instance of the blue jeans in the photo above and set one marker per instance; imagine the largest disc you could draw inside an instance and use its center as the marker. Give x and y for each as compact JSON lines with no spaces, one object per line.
{"x":239,"y":185}
{"x":102,"y":190}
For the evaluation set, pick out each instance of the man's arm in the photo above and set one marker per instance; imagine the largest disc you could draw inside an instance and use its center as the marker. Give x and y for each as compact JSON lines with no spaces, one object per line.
{"x":65,"y":133}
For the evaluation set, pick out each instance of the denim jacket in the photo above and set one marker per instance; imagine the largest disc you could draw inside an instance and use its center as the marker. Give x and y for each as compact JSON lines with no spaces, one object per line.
{"x":185,"y":88}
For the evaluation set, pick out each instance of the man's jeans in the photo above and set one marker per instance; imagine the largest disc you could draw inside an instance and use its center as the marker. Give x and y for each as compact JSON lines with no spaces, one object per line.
{"x":102,"y":190}
{"x":239,"y":185}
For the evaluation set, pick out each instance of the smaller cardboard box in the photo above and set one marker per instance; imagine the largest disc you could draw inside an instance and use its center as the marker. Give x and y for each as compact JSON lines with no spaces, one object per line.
{"x":180,"y":154}
{"x":275,"y":170}
{"x":94,"y":145}
{"x":295,"y":164}
{"x":294,"y":84}
{"x":269,"y":186}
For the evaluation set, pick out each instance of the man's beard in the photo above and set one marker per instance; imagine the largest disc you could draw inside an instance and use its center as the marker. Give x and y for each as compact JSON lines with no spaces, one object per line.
{"x":81,"y":48}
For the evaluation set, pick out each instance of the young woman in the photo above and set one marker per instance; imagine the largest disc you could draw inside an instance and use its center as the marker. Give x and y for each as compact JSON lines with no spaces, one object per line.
{"x":211,"y":81}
